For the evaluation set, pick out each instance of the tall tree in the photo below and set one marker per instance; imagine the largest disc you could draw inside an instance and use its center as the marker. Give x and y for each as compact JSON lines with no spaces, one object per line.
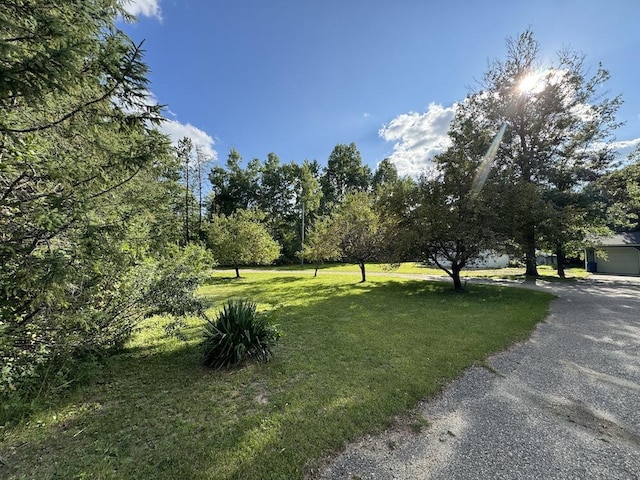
{"x":202,"y":161}
{"x":386,"y":174}
{"x":557,"y":123}
{"x":344,"y":173}
{"x":308,"y":198}
{"x":234,"y":187}
{"x":86,"y":184}
{"x":185,"y":154}
{"x":276,"y":198}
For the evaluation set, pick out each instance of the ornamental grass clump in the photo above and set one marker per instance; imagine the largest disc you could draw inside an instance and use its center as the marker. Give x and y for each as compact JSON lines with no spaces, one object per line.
{"x":238,"y":334}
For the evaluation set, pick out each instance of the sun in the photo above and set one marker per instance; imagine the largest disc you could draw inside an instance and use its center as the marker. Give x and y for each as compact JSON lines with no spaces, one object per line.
{"x":532,"y":83}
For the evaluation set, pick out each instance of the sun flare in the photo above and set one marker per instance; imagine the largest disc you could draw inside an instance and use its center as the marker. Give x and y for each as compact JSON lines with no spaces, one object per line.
{"x":532,"y":83}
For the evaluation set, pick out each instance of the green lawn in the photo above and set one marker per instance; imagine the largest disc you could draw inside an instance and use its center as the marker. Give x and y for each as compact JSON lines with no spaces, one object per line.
{"x":545,"y":272}
{"x":351,"y":358}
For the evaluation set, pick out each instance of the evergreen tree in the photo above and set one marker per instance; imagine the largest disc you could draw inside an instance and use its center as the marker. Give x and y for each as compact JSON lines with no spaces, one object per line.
{"x":557,"y":125}
{"x":87,"y":186}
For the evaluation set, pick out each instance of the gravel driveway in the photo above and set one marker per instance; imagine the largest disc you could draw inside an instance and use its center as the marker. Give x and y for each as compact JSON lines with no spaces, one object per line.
{"x":563,"y":405}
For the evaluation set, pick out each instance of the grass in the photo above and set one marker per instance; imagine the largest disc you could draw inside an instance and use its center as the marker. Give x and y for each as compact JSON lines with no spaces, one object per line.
{"x":353,"y":356}
{"x":411,"y":268}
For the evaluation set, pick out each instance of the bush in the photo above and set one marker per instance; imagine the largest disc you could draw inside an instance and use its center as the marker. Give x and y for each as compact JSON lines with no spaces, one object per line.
{"x":43,"y":353}
{"x":239,"y":333}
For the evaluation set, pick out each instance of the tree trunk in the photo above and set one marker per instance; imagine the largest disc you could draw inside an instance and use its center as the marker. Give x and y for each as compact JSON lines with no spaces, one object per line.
{"x":560,"y":259}
{"x":530,"y":254}
{"x":364,"y":276}
{"x":455,"y":275}
{"x":237,"y":271}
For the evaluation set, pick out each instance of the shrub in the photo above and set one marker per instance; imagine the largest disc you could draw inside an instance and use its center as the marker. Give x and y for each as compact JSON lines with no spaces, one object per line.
{"x":239,"y":333}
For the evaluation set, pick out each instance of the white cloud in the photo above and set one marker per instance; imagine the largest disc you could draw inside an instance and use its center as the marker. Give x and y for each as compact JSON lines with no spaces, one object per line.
{"x":144,"y":8}
{"x":622,"y":147}
{"x":625,"y":147}
{"x":419,"y":137}
{"x":625,"y":144}
{"x":200,"y":138}
{"x":176,"y":130}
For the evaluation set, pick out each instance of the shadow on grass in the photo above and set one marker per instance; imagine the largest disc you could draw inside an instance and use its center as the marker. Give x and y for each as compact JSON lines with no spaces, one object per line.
{"x":352,"y":356}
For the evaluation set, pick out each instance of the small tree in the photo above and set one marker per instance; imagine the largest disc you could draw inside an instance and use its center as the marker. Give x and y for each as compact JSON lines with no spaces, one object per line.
{"x":358,"y":229}
{"x":451,"y":221}
{"x":448,"y":230}
{"x":241,"y":239}
{"x":321,"y":243}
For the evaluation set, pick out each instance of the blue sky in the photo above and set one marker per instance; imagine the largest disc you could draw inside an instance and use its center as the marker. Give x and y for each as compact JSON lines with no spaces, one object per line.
{"x":297,"y":77}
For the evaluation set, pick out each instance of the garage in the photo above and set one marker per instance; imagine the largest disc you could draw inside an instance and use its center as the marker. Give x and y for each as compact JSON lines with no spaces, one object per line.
{"x":618,"y":254}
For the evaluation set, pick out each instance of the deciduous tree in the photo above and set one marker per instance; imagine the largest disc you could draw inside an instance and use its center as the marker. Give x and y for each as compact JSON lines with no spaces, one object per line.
{"x":344,"y":173}
{"x":447,"y":221}
{"x":321,"y":243}
{"x":241,"y":239}
{"x":359,"y":230}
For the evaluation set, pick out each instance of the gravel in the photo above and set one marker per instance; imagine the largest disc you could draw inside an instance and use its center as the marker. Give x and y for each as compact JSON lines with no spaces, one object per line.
{"x":563,"y":405}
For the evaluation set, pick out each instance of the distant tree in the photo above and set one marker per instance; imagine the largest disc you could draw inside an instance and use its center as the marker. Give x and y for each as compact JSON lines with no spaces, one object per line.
{"x":344,"y":173}
{"x":241,"y":239}
{"x":386,"y":174}
{"x":276,"y":198}
{"x":234,"y":187}
{"x":185,"y":153}
{"x":202,"y":161}
{"x":321,"y":243}
{"x":618,"y":194}
{"x":308,"y":196}
{"x":359,"y":230}
{"x":308,"y":186}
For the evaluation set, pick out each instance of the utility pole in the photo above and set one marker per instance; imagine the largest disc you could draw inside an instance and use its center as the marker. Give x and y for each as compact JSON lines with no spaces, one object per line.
{"x":302,"y":237}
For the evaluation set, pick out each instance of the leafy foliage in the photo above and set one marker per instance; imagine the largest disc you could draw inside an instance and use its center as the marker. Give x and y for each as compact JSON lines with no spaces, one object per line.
{"x":344,"y":173}
{"x":618,"y":193}
{"x":556,"y":137}
{"x":241,"y":239}
{"x":88,"y":190}
{"x":321,"y":243}
{"x":238,"y":334}
{"x":448,"y":225}
{"x":359,"y":230}
{"x":233,"y":188}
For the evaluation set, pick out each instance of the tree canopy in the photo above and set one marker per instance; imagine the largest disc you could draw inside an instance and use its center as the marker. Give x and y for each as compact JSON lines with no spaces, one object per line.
{"x":241,"y":239}
{"x":87,"y":186}
{"x":557,"y":124}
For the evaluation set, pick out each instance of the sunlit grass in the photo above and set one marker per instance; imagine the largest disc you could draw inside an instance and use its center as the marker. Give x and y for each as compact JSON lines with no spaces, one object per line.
{"x":352,"y":357}
{"x":413,"y":268}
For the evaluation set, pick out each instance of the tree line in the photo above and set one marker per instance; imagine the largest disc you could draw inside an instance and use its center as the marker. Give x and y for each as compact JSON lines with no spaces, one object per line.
{"x":104,"y":223}
{"x":531,"y":166}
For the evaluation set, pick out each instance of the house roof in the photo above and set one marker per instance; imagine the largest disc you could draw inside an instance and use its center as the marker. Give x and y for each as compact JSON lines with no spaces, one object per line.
{"x":627,"y":239}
